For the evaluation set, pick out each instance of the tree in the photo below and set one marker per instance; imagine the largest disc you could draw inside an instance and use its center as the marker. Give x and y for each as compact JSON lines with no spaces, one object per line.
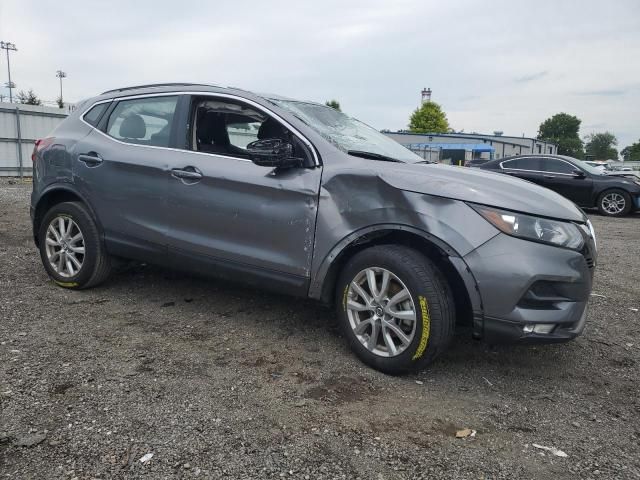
{"x":333,"y":104}
{"x":29,"y":98}
{"x":631,"y":153}
{"x":429,"y":118}
{"x":600,"y":146}
{"x":60,"y":102}
{"x":563,"y":130}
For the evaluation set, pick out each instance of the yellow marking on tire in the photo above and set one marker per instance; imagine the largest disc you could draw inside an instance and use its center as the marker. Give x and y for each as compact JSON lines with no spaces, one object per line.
{"x":426,"y":328}
{"x":344,"y":298}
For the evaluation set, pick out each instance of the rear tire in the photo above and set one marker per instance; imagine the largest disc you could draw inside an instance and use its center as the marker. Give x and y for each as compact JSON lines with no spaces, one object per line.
{"x":71,"y":247}
{"x":378,"y":324}
{"x":614,"y":203}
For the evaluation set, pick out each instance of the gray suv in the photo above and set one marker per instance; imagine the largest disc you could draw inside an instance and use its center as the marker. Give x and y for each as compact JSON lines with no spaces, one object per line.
{"x":302,"y":199}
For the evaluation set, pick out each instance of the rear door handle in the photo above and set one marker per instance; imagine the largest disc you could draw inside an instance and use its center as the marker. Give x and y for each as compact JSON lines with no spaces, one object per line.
{"x":91,"y":159}
{"x":549,"y":176}
{"x":188,"y":173}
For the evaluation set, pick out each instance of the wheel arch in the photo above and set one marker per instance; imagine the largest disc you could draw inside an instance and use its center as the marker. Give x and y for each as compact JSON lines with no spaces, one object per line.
{"x":53,"y":196}
{"x":450,"y":263}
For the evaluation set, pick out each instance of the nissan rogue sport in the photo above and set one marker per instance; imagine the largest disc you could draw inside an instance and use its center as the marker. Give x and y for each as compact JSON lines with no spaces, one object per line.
{"x":299,"y":198}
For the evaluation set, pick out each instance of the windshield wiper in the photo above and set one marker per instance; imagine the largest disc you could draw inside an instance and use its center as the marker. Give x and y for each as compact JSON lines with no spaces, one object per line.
{"x":373,"y":156}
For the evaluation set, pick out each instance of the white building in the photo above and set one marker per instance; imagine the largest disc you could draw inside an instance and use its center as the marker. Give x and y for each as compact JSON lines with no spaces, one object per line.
{"x":459,"y":147}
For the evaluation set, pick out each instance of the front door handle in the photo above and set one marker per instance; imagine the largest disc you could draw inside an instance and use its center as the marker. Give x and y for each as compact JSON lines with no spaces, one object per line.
{"x":188,"y":173}
{"x":549,"y":176}
{"x":91,"y":159}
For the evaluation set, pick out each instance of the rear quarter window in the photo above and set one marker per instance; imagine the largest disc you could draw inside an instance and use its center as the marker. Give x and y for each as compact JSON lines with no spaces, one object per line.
{"x":93,"y":116}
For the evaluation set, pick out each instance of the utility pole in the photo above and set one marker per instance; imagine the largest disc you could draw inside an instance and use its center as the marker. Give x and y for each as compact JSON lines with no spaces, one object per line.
{"x":9,"y":46}
{"x":60,"y":74}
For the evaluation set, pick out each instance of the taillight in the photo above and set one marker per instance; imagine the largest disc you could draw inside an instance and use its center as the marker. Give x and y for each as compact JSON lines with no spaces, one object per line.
{"x":41,"y":145}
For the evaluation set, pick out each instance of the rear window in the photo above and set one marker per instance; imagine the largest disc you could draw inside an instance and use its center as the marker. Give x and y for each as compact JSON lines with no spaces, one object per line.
{"x":93,"y":116}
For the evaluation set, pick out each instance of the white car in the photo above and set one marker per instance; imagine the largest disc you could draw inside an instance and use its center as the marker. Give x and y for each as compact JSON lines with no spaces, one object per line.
{"x":601,"y":166}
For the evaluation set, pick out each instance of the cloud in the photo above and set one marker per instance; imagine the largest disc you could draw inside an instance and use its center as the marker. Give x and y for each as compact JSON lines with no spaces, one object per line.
{"x":603,"y":93}
{"x":532,"y":77}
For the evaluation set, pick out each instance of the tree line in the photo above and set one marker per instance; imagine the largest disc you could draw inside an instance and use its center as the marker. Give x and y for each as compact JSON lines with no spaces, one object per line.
{"x":30,"y":98}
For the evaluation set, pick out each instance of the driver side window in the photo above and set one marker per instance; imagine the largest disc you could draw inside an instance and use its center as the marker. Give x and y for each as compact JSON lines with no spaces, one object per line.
{"x":557,"y":166}
{"x":226,"y":127}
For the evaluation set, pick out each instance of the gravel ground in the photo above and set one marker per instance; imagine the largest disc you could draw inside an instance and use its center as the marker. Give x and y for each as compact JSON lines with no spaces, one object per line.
{"x":220,"y":381}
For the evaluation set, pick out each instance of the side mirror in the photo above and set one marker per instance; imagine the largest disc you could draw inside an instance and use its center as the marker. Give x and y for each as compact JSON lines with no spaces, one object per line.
{"x":273,"y":153}
{"x":578,"y":174}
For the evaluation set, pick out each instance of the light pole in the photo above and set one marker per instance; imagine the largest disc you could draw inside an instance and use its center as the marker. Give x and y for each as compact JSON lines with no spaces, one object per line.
{"x":60,"y":74}
{"x":9,"y":46}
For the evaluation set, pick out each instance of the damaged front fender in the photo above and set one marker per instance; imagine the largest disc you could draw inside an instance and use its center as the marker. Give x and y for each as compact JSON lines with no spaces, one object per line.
{"x":354,"y":206}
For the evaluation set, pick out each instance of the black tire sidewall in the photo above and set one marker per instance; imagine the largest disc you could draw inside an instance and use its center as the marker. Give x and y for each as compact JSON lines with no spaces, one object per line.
{"x":420,"y":277}
{"x":91,"y":243}
{"x":627,"y":199}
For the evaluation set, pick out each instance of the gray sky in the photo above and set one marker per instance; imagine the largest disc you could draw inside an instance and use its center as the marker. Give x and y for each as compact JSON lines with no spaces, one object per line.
{"x":499,"y":65}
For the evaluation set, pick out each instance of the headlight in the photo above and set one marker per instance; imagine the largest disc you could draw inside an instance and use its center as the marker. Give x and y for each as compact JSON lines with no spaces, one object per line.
{"x":562,"y":234}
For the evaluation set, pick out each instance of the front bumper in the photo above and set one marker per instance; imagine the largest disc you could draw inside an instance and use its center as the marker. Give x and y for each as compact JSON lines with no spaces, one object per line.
{"x":530,"y":292}
{"x":498,"y":330}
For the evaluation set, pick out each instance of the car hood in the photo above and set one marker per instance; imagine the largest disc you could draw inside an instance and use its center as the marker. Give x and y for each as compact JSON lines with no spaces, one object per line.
{"x":477,"y":186}
{"x":631,"y":175}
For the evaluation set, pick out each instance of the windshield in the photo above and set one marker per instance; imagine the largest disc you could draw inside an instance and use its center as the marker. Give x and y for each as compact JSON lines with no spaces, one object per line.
{"x":346,"y":133}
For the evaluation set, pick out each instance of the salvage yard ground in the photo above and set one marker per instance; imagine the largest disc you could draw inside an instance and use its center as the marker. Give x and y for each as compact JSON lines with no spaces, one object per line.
{"x":208,"y":380}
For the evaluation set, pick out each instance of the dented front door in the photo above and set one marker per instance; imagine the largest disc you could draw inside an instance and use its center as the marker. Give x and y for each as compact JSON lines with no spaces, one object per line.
{"x":251,"y":217}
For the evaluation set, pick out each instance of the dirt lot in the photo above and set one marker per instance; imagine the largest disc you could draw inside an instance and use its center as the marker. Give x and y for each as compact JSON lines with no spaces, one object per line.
{"x":220,"y":381}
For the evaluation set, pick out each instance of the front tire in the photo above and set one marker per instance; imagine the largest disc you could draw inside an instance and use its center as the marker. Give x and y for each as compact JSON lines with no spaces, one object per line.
{"x":71,"y":247}
{"x":395,"y":307}
{"x":614,"y":203}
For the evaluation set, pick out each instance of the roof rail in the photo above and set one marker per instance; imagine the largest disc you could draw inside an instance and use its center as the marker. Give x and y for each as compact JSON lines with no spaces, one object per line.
{"x":159,"y":85}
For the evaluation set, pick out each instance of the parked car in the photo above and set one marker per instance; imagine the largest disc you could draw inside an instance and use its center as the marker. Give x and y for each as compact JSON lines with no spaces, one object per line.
{"x":574,"y":179}
{"x":301,"y":199}
{"x":602,"y":167}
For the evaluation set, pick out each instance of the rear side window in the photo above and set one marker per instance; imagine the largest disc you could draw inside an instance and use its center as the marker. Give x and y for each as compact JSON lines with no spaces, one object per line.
{"x":93,"y":116}
{"x":524,"y":164}
{"x":143,"y":121}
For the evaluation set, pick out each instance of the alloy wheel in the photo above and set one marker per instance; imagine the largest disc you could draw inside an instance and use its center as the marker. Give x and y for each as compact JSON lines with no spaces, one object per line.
{"x":64,"y":246}
{"x":381,"y":312}
{"x":613,"y":203}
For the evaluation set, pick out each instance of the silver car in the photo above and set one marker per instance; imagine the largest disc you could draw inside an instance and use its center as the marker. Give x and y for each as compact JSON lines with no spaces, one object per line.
{"x":302,"y":199}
